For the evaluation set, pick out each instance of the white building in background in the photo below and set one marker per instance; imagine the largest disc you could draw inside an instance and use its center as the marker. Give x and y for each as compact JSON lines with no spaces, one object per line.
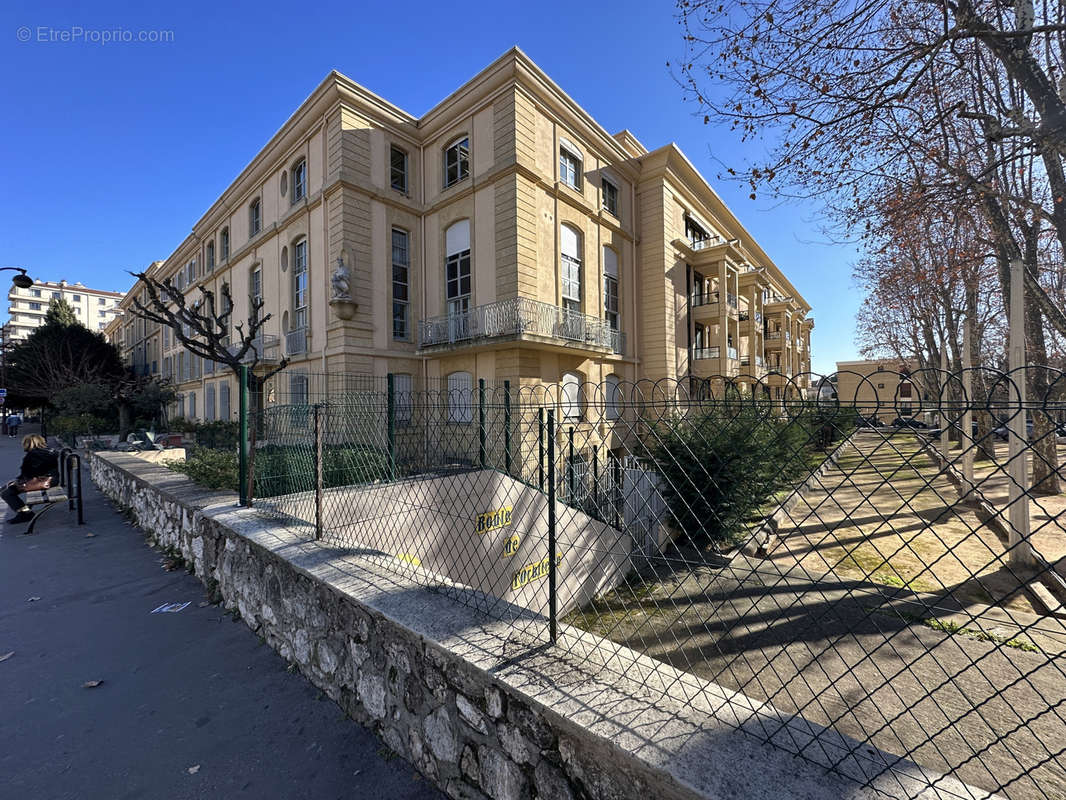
{"x":95,"y":308}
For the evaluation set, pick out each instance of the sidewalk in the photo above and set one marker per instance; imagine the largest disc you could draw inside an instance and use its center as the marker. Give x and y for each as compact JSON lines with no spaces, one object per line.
{"x":190,"y":704}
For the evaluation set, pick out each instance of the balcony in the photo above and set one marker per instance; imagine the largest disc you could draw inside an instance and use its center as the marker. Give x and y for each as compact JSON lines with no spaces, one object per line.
{"x":296,"y":342}
{"x":707,"y":305}
{"x":265,"y":347}
{"x":520,"y":318}
{"x":776,"y":339}
{"x":702,"y":353}
{"x":747,"y":362}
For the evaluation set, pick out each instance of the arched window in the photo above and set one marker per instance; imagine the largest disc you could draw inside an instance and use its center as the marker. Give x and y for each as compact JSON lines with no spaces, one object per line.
{"x":460,"y":397}
{"x":570,"y":250}
{"x":299,"y":181}
{"x":571,"y":405}
{"x":457,"y":267}
{"x":612,"y":397}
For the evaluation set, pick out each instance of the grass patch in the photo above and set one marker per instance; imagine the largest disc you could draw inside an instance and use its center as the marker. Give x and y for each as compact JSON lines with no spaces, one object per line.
{"x":953,"y":628}
{"x":627,"y":605}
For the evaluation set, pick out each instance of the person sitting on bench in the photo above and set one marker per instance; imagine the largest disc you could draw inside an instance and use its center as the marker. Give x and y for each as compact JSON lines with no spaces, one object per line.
{"x":40,"y":470}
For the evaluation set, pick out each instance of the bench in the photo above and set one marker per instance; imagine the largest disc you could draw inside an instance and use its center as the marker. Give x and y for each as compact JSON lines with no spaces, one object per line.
{"x":68,"y":491}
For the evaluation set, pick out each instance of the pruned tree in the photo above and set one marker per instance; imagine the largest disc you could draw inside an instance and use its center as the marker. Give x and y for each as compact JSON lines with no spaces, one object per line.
{"x":858,"y":98}
{"x":206,"y":328}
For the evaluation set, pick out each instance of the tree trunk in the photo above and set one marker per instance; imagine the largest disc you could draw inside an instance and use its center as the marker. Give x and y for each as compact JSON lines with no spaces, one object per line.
{"x":1044,"y":444}
{"x":124,"y":420}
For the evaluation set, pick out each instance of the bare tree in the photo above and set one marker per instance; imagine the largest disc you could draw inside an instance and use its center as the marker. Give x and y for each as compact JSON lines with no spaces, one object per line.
{"x":206,"y":328}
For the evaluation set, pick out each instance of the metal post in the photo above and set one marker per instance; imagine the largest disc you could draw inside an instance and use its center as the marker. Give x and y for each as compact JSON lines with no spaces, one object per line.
{"x":571,"y":478}
{"x":242,"y":470}
{"x":596,"y":478}
{"x":968,"y":442}
{"x":482,"y":458}
{"x":507,"y":427}
{"x":391,"y":411}
{"x":551,"y":527}
{"x":319,"y":470}
{"x":540,"y":448}
{"x":77,"y":477}
{"x":945,"y":438}
{"x":1020,"y":550}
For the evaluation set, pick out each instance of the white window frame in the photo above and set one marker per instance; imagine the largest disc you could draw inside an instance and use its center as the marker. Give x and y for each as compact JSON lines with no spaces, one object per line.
{"x":298,"y":182}
{"x":570,"y":267}
{"x":255,"y":217}
{"x":461,"y":148}
{"x":457,"y":269}
{"x":299,"y":285}
{"x":571,"y":165}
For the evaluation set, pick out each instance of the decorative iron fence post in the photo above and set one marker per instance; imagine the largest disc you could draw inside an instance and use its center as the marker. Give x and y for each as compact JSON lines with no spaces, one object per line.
{"x":551,"y":526}
{"x":507,"y":427}
{"x":540,"y":448}
{"x":319,"y":470}
{"x":242,"y":471}
{"x":391,"y":411}
{"x":482,"y":458}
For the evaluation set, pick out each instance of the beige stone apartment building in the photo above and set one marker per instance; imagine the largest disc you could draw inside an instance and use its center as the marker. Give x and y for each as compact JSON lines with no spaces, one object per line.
{"x":503,"y":235}
{"x":879,"y":388}
{"x":94,"y":308}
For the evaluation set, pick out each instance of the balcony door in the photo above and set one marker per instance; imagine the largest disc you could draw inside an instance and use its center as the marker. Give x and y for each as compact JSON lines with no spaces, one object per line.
{"x":457,"y":280}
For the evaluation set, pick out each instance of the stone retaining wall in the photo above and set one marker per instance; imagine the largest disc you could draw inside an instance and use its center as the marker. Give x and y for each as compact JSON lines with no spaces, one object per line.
{"x":482,"y":707}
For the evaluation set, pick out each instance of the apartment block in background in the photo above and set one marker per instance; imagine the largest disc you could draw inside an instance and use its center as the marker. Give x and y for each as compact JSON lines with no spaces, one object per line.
{"x":503,"y":235}
{"x":94,"y":308}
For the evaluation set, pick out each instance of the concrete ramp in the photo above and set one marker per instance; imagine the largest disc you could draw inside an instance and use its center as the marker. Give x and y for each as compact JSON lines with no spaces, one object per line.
{"x":481,"y":529}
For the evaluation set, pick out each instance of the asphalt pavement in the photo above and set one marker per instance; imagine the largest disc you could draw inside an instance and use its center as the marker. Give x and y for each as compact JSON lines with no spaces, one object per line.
{"x":188,"y":705}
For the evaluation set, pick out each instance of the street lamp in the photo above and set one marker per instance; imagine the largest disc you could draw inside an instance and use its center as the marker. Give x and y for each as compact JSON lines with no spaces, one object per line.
{"x":22,"y":280}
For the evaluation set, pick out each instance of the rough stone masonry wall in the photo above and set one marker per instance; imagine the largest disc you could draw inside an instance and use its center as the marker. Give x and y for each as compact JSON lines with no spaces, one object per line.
{"x":482,"y":707}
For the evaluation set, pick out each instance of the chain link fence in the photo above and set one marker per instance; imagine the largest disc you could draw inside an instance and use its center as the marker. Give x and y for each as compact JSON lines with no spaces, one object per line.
{"x":886,"y":562}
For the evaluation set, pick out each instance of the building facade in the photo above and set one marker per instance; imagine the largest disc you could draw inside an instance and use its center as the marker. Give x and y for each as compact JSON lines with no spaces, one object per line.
{"x":94,"y":308}
{"x":503,"y":235}
{"x":879,"y":388}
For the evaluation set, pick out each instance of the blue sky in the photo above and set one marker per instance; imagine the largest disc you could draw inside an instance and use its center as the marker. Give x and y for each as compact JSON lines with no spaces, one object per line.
{"x":113,"y":150}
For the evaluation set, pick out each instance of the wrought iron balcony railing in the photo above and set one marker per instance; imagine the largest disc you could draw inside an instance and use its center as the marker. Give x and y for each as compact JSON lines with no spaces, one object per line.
{"x":265,"y":347}
{"x":517,"y":317}
{"x":700,"y":353}
{"x":296,"y":342}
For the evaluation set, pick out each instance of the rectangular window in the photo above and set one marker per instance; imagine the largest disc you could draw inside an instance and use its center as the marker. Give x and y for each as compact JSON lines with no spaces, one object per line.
{"x":694,"y":232}
{"x":398,"y":169}
{"x":610,"y":197}
{"x":570,"y":168}
{"x":35,"y":306}
{"x":298,"y":389}
{"x":255,"y":217}
{"x":223,"y":401}
{"x":457,"y":275}
{"x":255,"y":293}
{"x":192,"y":405}
{"x":610,"y":288}
{"x":55,"y":295}
{"x":210,"y":256}
{"x":36,"y":292}
{"x":401,"y":263}
{"x":299,"y":182}
{"x":223,"y":244}
{"x":100,"y":301}
{"x":456,"y":162}
{"x":570,"y":268}
{"x":76,"y":298}
{"x":299,"y":285}
{"x":209,"y":402}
